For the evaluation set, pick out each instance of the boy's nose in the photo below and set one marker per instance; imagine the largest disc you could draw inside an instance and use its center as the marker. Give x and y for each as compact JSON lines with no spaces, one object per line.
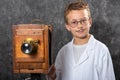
{"x":79,"y":25}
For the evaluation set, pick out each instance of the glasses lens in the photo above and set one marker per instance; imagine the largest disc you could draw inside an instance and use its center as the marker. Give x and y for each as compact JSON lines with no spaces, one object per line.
{"x":74,"y":23}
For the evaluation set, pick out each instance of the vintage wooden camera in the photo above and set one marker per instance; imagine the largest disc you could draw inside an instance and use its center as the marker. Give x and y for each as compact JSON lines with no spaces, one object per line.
{"x":31,"y":48}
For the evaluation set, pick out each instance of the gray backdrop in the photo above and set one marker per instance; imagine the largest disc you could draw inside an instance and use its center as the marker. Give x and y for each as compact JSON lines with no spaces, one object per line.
{"x":106,"y":27}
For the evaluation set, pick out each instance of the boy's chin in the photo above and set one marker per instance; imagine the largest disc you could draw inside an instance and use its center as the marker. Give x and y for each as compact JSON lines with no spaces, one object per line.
{"x":83,"y":36}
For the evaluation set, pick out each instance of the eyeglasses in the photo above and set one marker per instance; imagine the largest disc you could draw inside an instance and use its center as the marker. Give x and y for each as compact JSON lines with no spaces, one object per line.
{"x":83,"y":21}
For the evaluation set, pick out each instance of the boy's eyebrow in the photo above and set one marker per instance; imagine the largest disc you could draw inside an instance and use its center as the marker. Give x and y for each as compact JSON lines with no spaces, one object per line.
{"x":80,"y":18}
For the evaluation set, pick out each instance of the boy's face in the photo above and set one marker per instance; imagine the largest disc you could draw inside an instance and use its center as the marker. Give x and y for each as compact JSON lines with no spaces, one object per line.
{"x":79,"y":23}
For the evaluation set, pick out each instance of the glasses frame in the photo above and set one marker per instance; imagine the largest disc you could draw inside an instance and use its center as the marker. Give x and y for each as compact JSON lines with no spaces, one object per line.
{"x":82,"y":21}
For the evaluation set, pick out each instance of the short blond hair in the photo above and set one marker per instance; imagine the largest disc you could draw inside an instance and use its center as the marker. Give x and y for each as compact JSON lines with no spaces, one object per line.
{"x":76,"y":6}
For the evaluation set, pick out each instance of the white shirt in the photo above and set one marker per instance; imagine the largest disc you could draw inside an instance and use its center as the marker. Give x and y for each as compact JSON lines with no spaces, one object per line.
{"x":94,"y":64}
{"x":78,"y":50}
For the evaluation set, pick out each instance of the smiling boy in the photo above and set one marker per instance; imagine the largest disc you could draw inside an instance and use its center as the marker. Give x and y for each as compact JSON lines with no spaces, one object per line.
{"x":83,"y":58}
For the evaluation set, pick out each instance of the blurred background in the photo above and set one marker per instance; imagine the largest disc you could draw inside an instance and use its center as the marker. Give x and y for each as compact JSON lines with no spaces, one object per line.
{"x":106,"y":28}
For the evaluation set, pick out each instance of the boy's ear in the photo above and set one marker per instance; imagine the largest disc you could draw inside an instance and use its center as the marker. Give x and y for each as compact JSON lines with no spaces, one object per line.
{"x":67,"y":27}
{"x":90,"y":21}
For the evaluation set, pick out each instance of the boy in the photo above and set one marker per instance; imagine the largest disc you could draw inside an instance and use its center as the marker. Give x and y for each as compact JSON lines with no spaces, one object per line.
{"x":84,"y":58}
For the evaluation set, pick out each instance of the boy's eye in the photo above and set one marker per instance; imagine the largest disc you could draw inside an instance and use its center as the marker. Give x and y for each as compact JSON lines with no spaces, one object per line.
{"x":74,"y":22}
{"x":83,"y":20}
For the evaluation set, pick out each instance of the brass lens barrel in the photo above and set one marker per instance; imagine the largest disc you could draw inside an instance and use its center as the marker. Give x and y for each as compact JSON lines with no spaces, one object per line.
{"x":29,"y":47}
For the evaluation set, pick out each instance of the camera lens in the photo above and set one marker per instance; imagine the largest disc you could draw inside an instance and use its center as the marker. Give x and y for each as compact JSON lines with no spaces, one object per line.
{"x":26,"y":48}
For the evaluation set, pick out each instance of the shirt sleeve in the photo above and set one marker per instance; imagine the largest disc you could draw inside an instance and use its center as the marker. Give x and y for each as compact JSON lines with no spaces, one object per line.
{"x":58,"y":65}
{"x":106,"y":68}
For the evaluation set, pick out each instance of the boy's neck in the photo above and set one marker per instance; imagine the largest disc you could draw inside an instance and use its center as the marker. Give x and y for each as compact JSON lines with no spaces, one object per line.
{"x":78,"y":41}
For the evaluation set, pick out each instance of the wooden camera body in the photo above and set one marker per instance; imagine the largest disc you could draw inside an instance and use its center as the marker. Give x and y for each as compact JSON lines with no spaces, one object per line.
{"x":31,"y":48}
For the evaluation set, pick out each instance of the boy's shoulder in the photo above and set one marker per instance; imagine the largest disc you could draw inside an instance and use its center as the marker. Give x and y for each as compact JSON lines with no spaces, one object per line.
{"x":101,"y":46}
{"x":66,"y":46}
